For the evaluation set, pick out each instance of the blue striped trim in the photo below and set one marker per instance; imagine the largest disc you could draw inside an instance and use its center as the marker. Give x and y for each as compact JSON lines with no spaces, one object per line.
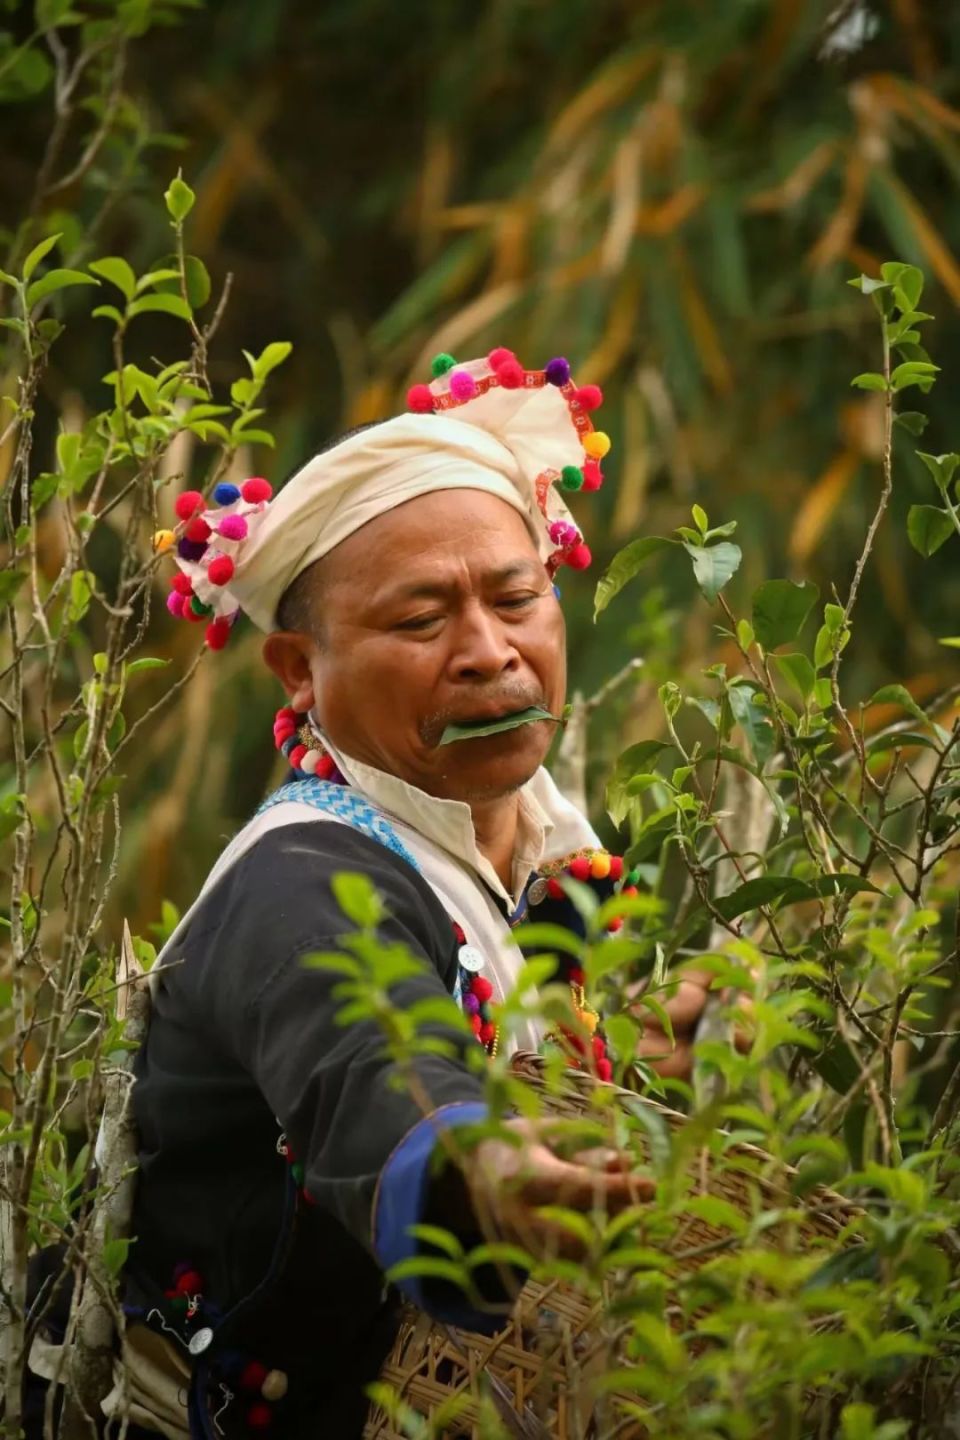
{"x":344,"y":804}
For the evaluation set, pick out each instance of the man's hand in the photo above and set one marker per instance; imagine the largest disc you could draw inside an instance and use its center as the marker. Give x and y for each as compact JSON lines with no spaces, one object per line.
{"x":508,"y":1183}
{"x":684,"y":1007}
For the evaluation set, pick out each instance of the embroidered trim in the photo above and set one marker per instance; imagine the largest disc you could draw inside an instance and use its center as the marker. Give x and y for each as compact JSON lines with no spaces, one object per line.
{"x":343,"y":804}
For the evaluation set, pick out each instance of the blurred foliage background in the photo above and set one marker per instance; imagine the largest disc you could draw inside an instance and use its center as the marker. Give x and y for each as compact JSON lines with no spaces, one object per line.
{"x":670,"y":192}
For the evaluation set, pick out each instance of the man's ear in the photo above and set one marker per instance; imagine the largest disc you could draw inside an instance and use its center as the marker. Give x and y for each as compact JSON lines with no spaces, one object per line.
{"x":288,"y":655}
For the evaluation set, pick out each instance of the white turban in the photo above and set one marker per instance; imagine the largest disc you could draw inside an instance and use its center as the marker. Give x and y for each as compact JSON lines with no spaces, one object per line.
{"x":512,"y":440}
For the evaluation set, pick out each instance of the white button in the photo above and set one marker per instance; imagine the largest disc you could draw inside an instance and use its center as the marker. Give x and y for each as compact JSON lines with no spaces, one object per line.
{"x":470,"y":958}
{"x":201,"y":1341}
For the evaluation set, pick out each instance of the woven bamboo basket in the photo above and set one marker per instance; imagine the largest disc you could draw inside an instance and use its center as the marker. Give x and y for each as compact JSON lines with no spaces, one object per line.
{"x":537,"y":1370}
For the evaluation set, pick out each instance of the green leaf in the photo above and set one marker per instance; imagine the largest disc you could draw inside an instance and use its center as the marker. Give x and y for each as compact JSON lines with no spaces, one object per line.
{"x":788,"y":890}
{"x":700,"y":519}
{"x":912,"y":372}
{"x":163,"y":304}
{"x":179,"y":199}
{"x":116,"y":270}
{"x":10,"y":582}
{"x":108,"y":312}
{"x":55,"y":280}
{"x":38,"y":252}
{"x":899,"y":740}
{"x":869,"y":381}
{"x":754,"y":722}
{"x":713,"y":566}
{"x":146,"y":662}
{"x":438,"y":1238}
{"x":912,"y":421}
{"x":156,"y":277}
{"x":867,"y":284}
{"x":953,"y":641}
{"x":114,"y":1255}
{"x":745,"y":634}
{"x":797,"y":669}
{"x":357,"y":898}
{"x":253,"y":437}
{"x":941,"y":467}
{"x":898,"y":695}
{"x":269,"y":359}
{"x":532,"y":715}
{"x":624,"y":566}
{"x":928,"y":528}
{"x":908,"y":287}
{"x":780,"y":610}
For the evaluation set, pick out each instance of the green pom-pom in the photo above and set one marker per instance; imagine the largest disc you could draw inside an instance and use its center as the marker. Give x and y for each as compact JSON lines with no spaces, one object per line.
{"x":198,"y":607}
{"x":571,"y":477}
{"x":440,"y":364}
{"x":296,"y":1170}
{"x":179,"y":1303}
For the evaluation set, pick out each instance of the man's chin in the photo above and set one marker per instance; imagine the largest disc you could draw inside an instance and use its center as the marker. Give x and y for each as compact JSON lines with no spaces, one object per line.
{"x":475,"y":777}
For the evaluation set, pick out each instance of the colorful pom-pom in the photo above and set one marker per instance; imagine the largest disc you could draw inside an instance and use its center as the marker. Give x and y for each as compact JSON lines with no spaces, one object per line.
{"x":488,"y":1033}
{"x":189,"y":1283}
{"x":326,"y":766}
{"x":226,"y":493}
{"x":499,"y":357}
{"x":511,"y":374}
{"x":481,"y":987}
{"x":580,"y":868}
{"x":604,"y":1070}
{"x":256,"y":489}
{"x":475,"y":1024}
{"x":198,"y":608}
{"x":188,"y":503}
{"x":253,"y":1375}
{"x":440,"y":364}
{"x":420,"y":399}
{"x":616,"y":867}
{"x":571,"y":477}
{"x":597,"y":444}
{"x":471,"y":1005}
{"x":599,"y":1047}
{"x":259,"y":1416}
{"x":296,"y":755}
{"x":579,"y":557}
{"x":563,"y":533}
{"x":176,"y":603}
{"x":557,"y":371}
{"x":462,"y":385}
{"x":191,"y":549}
{"x":589,"y":397}
{"x":309,"y":762}
{"x":220,"y":570}
{"x":555,"y":890}
{"x":218,"y":633}
{"x":192,"y":615}
{"x":275,"y":1386}
{"x":181,"y":583}
{"x":592,"y":475}
{"x":615,"y":924}
{"x":198,"y":530}
{"x":233,"y":527}
{"x":600,"y":865}
{"x":164,"y":540}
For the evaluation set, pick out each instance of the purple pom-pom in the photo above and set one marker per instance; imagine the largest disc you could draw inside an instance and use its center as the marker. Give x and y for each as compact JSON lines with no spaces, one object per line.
{"x":191,"y":549}
{"x":558,"y":371}
{"x":175,"y":603}
{"x":233,"y":527}
{"x":471,"y":1004}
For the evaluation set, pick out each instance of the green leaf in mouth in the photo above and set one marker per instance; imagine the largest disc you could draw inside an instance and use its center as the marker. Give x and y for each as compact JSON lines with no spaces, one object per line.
{"x":477,"y":730}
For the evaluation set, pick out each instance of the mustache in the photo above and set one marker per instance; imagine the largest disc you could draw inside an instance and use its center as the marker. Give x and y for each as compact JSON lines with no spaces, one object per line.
{"x":503,"y":697}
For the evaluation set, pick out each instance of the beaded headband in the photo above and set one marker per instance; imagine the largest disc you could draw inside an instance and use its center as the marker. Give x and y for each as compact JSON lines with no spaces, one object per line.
{"x":524,"y":435}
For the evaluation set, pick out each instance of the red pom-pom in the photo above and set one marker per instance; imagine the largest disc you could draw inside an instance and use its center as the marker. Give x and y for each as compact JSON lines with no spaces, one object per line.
{"x":604,"y":1070}
{"x":615,"y":924}
{"x":511,"y":374}
{"x":481,"y":987}
{"x":218,"y":633}
{"x":616,"y":867}
{"x":580,"y":868}
{"x":198,"y":530}
{"x":325,"y":767}
{"x":420,"y":399}
{"x":253,"y":1375}
{"x":578,"y":558}
{"x":181,"y":583}
{"x":187,"y":504}
{"x":287,"y":712}
{"x":555,"y":890}
{"x":282,"y":730}
{"x":189,"y":1283}
{"x":599,"y":1047}
{"x":500,"y":356}
{"x":190,"y":614}
{"x":220,"y":570}
{"x":475,"y":1024}
{"x":575,"y":975}
{"x":590,"y":397}
{"x":259,"y":1416}
{"x":255,"y":490}
{"x":629,"y":891}
{"x":296,"y":755}
{"x":487,"y":1033}
{"x":592,"y":475}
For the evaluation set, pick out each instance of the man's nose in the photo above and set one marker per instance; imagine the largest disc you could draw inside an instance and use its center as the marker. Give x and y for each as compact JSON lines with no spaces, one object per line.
{"x":484,"y":647}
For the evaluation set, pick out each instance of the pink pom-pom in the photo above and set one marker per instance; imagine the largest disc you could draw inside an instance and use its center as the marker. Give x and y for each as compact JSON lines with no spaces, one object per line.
{"x":198,"y":530}
{"x":563,"y":533}
{"x":487,"y":1033}
{"x":233,"y":527}
{"x":499,"y":357}
{"x":579,"y":557}
{"x":181,"y":583}
{"x":187,"y":504}
{"x":420,"y":399}
{"x":175,"y":603}
{"x":218,"y":633}
{"x":604,"y":1070}
{"x":256,"y":489}
{"x":462,"y":385}
{"x":511,"y":374}
{"x":325,"y":767}
{"x":592,"y":475}
{"x":296,"y":755}
{"x":220,"y":570}
{"x":589,"y":397}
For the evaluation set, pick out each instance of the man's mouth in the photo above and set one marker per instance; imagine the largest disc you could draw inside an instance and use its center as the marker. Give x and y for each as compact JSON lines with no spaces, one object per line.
{"x":477,"y":727}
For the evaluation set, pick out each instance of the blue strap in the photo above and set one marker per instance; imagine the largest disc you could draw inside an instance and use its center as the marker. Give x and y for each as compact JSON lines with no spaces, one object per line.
{"x":344,"y":804}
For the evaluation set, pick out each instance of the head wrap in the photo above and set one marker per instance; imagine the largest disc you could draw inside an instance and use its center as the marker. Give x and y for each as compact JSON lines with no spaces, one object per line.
{"x":487,"y":425}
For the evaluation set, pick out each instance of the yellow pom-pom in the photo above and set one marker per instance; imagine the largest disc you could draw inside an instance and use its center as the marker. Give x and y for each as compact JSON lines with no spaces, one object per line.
{"x":600,"y":866}
{"x":163,"y":540}
{"x":597,"y":444}
{"x":589,"y":1019}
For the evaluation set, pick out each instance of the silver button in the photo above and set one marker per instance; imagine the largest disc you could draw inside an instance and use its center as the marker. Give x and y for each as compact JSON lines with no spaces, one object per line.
{"x":470,"y":958}
{"x":537,"y":892}
{"x":201,"y":1341}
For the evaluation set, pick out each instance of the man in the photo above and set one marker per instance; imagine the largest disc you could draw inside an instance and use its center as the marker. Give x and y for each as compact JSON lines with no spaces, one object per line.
{"x":404,"y":579}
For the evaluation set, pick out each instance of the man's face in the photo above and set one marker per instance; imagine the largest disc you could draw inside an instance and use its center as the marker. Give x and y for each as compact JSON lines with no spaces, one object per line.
{"x":438,"y":612}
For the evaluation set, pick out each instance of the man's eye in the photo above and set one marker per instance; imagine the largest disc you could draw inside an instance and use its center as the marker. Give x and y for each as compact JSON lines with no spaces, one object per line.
{"x":418,"y":622}
{"x":516,"y":602}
